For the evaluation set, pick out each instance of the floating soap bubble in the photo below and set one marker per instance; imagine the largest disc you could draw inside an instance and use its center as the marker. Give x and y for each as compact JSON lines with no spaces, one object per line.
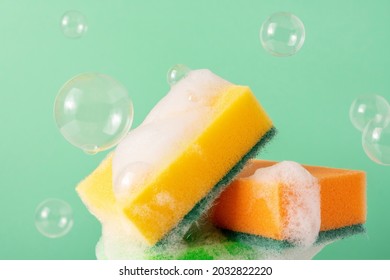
{"x":73,"y":24}
{"x":282,"y":34}
{"x":376,"y":140}
{"x":53,"y":218}
{"x":176,"y":73}
{"x":366,"y":108}
{"x":93,"y":112}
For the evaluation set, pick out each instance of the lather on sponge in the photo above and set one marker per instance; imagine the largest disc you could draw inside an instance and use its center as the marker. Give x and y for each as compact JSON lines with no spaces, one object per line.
{"x":205,"y":241}
{"x":287,"y":201}
{"x":167,"y":171}
{"x":153,"y":194}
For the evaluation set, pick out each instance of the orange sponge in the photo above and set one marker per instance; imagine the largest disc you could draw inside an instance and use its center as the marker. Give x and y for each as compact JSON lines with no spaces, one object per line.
{"x":240,"y":208}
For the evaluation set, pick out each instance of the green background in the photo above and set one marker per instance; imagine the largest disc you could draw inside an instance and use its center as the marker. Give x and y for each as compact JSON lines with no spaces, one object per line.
{"x":308,"y":95}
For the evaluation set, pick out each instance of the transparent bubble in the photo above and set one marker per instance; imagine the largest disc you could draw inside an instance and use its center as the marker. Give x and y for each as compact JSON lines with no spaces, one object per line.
{"x":366,"y":108}
{"x":176,"y":73}
{"x":124,"y":183}
{"x":376,"y":140}
{"x":53,"y":218}
{"x":282,"y":34}
{"x":73,"y":24}
{"x":93,"y":112}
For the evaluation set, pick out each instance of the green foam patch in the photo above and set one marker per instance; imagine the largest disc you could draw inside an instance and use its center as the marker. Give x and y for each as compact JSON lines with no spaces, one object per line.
{"x":199,"y":253}
{"x":203,"y":205}
{"x":218,"y":250}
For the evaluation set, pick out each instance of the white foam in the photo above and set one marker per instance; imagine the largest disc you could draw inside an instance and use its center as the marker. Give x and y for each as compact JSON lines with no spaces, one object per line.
{"x":196,"y":91}
{"x":166,"y":132}
{"x":302,"y":195}
{"x":293,"y":253}
{"x":117,"y":244}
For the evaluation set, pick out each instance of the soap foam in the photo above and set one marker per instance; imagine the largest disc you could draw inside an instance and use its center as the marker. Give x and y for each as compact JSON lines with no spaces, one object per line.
{"x":203,"y":242}
{"x":293,"y":253}
{"x":196,"y":91}
{"x":117,"y":244}
{"x":301,"y":193}
{"x":166,"y":132}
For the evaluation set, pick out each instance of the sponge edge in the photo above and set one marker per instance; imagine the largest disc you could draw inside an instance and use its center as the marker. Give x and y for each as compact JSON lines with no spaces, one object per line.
{"x":96,"y":191}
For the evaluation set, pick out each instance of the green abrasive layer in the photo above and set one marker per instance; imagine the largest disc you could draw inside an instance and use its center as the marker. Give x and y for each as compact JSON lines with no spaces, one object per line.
{"x":330,"y":235}
{"x":323,"y":237}
{"x":203,"y":205}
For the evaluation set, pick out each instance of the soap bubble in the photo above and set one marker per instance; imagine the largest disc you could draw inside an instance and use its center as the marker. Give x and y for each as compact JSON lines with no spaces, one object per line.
{"x":282,"y":34}
{"x":124,"y":182}
{"x":73,"y":24}
{"x":376,"y":140}
{"x":366,"y":108}
{"x":176,"y":73}
{"x":53,"y":218}
{"x":93,"y":112}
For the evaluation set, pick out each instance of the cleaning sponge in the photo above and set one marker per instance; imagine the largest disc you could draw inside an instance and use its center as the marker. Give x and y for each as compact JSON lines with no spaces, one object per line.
{"x":203,"y":240}
{"x":168,"y":170}
{"x":283,"y":201}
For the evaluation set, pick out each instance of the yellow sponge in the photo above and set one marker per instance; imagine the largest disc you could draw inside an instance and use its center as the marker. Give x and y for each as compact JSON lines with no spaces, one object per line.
{"x":181,"y":180}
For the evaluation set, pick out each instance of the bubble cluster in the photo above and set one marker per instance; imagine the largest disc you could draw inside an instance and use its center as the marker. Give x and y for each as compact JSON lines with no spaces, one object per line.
{"x":176,"y":73}
{"x":371,"y":115}
{"x":74,"y":24}
{"x":54,"y":218}
{"x":93,"y":112}
{"x":282,"y":34}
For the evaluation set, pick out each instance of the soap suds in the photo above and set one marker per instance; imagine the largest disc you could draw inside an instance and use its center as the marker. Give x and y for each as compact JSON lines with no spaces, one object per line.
{"x":199,"y":86}
{"x":166,"y":132}
{"x":301,"y":197}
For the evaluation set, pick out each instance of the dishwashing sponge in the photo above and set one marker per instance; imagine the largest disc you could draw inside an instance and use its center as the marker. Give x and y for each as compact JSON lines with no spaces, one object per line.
{"x":167,"y":171}
{"x":204,"y":241}
{"x":286,"y":201}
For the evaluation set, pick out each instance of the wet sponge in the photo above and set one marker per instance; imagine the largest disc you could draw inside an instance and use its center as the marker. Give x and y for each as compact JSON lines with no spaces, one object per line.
{"x":263,"y":201}
{"x":181,"y":154}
